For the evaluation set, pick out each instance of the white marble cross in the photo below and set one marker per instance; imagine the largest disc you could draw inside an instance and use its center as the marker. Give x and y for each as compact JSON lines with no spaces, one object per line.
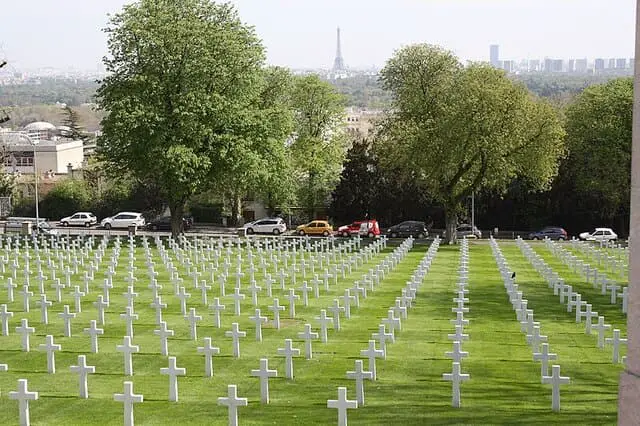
{"x":382,"y":336}
{"x":258,"y":320}
{"x":25,"y":331}
{"x":372,"y":353}
{"x":457,"y":354}
{"x":237,"y":297}
{"x":23,"y":396}
{"x":264,"y":373}
{"x":10,"y":286}
{"x":288,"y":352}
{"x":158,"y":306}
{"x":183,"y":296}
{"x":392,"y":322}
{"x":173,"y":372}
{"x":455,"y":377}
{"x":588,"y":314}
{"x":94,"y":331}
{"x":292,"y":302}
{"x":193,"y":319}
{"x":216,"y":307}
{"x":555,"y":380}
{"x":100,"y":305}
{"x":130,"y":295}
{"x":359,"y":375}
{"x":324,"y":322}
{"x":346,"y":303}
{"x":77,"y":297}
{"x":602,"y":328}
{"x":305,"y":289}
{"x":459,"y":335}
{"x":128,"y":317}
{"x":616,"y":341}
{"x":235,"y":335}
{"x":276,"y":308}
{"x":44,"y":305}
{"x":233,"y":402}
{"x":164,"y":334}
{"x":335,"y":310}
{"x":535,"y":338}
{"x":342,"y":404}
{"x":208,"y":352}
{"x":26,"y":295}
{"x":127,"y":349}
{"x":83,"y":370}
{"x":4,"y":319}
{"x":254,"y":289}
{"x":50,"y":348}
{"x":308,"y":336}
{"x":544,"y":357}
{"x":128,"y":398}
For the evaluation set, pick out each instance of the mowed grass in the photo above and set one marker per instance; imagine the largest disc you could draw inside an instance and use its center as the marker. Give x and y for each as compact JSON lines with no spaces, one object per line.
{"x":504,"y":388}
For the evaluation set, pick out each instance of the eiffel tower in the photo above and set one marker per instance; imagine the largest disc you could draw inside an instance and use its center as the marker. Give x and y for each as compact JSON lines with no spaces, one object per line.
{"x":338,"y":62}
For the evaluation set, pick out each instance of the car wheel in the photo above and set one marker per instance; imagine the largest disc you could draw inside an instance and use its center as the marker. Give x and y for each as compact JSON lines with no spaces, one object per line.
{"x":87,"y":224}
{"x":394,"y":235}
{"x":250,"y":231}
{"x":325,"y":233}
{"x":535,"y":238}
{"x":107,"y":226}
{"x":560,"y":238}
{"x":65,"y":224}
{"x":370,"y":235}
{"x":301,"y":233}
{"x":276,"y":231}
{"x":421,"y":235}
{"x":345,"y":234}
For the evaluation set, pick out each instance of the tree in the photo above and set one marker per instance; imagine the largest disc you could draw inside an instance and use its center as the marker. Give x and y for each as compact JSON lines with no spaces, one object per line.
{"x":71,"y":119}
{"x":599,"y":125}
{"x":67,"y":197}
{"x":464,"y":129}
{"x":183,"y":77}
{"x":319,"y":144}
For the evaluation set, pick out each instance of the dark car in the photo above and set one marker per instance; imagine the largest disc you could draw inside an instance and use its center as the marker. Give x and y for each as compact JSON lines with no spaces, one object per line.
{"x":409,"y":228}
{"x":164,"y":224}
{"x":551,"y":232}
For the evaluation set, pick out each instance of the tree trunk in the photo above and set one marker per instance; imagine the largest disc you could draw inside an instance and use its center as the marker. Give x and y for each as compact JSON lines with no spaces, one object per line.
{"x":452,"y":223}
{"x":236,"y":204}
{"x":177,"y":225}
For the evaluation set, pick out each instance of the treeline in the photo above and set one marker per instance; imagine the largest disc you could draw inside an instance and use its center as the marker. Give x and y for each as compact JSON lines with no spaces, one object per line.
{"x":48,"y":91}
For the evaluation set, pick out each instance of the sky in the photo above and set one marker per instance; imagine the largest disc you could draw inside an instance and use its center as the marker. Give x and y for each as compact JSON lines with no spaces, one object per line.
{"x":301,"y":33}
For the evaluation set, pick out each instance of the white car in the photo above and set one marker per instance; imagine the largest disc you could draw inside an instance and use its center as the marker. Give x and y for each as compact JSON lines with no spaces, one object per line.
{"x":79,"y":219}
{"x":123,"y":220}
{"x":599,"y":235}
{"x":275,"y":226}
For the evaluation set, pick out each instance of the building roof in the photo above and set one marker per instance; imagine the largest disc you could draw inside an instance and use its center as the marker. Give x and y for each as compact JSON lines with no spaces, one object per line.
{"x":39,"y":126}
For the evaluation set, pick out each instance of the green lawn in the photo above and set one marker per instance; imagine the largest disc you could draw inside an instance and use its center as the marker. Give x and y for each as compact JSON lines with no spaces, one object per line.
{"x":504,"y":388}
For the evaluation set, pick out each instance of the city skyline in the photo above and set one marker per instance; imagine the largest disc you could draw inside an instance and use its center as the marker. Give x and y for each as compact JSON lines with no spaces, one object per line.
{"x":62,"y":34}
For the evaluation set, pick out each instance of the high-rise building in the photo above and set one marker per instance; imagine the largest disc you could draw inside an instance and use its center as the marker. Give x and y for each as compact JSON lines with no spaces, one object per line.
{"x":581,"y":65}
{"x":494,"y":55}
{"x":571,"y":65}
{"x":534,"y":65}
{"x":548,"y":65}
{"x":509,"y":66}
{"x":338,"y":62}
{"x":598,"y":65}
{"x":621,"y":63}
{"x":558,"y":65}
{"x":612,"y":63}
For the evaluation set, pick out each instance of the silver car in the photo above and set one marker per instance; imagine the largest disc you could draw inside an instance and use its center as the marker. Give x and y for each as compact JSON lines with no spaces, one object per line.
{"x":467,"y":231}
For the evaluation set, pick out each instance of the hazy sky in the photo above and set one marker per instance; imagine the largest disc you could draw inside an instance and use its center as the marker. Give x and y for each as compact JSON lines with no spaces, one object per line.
{"x":301,"y":33}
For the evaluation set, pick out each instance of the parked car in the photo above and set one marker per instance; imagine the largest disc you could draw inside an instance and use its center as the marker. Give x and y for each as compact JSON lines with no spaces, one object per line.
{"x":409,"y":228}
{"x":316,"y":227}
{"x":164,"y":224}
{"x":275,"y":226}
{"x":123,"y":220}
{"x":468,"y":231}
{"x":551,"y":232}
{"x":350,"y":229}
{"x":599,"y":235}
{"x":369,"y":228}
{"x":79,"y":219}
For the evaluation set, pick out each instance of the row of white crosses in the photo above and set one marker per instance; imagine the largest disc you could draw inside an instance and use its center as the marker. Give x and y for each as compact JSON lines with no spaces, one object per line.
{"x":456,"y":377}
{"x":393,"y":320}
{"x":592,"y":275}
{"x":618,"y":263}
{"x":574,"y":300}
{"x":538,"y":342}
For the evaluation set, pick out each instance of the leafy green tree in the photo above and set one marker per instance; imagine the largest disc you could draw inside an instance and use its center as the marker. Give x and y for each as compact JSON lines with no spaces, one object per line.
{"x":67,"y":197}
{"x":464,"y":129}
{"x":598,"y":126}
{"x":319,"y":144}
{"x":183,"y":78}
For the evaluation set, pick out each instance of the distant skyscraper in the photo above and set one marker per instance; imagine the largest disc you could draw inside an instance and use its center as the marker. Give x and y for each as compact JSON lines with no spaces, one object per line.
{"x":338,"y":62}
{"x":581,"y":65}
{"x":571,"y":66}
{"x":612,"y":63}
{"x":621,"y":63}
{"x":494,"y":55}
{"x":598,"y":65}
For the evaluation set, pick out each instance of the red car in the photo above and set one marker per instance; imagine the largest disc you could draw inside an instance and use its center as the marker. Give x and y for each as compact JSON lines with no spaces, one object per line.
{"x":364,"y":228}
